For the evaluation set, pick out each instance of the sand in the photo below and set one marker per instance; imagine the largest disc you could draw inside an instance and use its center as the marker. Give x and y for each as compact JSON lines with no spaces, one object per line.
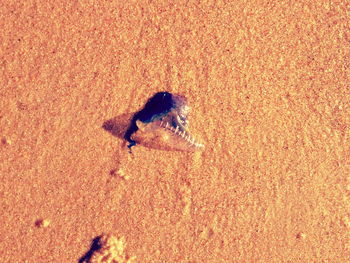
{"x":268,"y":84}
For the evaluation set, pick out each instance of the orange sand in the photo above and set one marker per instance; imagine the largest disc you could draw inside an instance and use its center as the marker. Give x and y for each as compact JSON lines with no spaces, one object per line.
{"x":268,"y":82}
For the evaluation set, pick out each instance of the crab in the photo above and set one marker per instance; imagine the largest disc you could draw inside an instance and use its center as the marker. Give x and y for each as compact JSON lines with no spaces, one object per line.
{"x":162,"y":123}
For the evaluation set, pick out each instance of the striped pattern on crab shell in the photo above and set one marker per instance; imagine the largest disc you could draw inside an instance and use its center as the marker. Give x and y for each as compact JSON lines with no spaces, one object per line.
{"x":161,"y":135}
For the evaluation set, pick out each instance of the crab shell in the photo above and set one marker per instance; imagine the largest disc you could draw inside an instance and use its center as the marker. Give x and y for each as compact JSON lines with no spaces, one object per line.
{"x":162,"y":124}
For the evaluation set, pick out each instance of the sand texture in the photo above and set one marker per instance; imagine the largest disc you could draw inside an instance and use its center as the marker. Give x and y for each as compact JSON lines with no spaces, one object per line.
{"x":269,"y":87}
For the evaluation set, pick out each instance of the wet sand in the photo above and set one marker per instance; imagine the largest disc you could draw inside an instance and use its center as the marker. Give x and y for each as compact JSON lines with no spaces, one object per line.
{"x":268,"y":84}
